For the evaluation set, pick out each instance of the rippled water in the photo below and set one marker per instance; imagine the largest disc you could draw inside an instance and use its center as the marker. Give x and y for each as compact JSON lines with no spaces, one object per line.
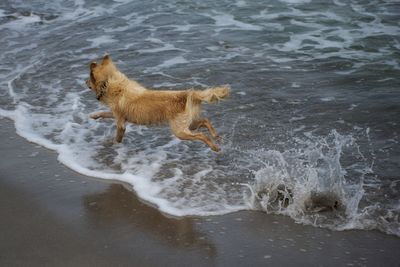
{"x":310,"y":131}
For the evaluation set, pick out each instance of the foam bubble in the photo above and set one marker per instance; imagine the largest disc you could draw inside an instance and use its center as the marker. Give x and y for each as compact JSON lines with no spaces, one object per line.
{"x":164,"y":47}
{"x":328,"y":99}
{"x":169,"y":63}
{"x":100,"y":40}
{"x":227,"y":20}
{"x":240,"y":3}
{"x":296,"y":1}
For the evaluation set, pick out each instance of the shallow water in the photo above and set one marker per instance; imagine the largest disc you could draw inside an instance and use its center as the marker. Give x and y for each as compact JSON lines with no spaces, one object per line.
{"x":310,"y":131}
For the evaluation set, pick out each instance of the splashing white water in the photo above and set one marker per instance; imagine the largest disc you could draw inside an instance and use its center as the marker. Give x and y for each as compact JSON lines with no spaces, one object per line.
{"x":311,"y":184}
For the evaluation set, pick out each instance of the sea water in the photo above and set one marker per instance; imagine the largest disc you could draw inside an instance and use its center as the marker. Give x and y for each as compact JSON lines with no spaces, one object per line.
{"x":310,"y":131}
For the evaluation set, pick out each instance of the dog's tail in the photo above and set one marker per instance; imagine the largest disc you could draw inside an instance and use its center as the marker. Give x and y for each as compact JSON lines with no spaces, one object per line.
{"x":212,"y":94}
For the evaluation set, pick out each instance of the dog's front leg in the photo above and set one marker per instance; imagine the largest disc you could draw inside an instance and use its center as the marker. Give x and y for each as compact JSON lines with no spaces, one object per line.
{"x":101,"y":114}
{"x":120,"y":129}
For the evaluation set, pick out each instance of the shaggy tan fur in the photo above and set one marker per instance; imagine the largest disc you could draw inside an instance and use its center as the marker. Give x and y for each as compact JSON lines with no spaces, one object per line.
{"x":131,"y":102}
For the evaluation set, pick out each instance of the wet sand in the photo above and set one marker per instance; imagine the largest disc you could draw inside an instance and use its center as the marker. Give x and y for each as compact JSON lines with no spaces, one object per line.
{"x":53,"y":216}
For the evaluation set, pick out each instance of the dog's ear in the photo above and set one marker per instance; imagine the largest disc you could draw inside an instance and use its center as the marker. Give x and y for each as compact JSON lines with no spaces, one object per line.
{"x":93,"y":65}
{"x":106,"y":59}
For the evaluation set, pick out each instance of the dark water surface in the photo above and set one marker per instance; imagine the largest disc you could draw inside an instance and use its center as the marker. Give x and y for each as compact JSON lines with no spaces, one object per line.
{"x":310,"y":131}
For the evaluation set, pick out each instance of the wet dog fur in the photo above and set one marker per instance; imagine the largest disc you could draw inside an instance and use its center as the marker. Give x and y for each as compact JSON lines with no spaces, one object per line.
{"x":131,"y":102}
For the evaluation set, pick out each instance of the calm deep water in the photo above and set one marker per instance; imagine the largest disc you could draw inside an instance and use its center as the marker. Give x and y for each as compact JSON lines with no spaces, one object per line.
{"x":311,"y":129}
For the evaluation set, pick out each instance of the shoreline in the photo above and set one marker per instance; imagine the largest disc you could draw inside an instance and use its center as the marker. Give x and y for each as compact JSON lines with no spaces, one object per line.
{"x":52,"y":215}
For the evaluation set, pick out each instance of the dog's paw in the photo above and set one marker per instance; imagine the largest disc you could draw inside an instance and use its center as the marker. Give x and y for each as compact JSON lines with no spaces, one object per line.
{"x":215,"y":148}
{"x":95,"y":116}
{"x":117,"y":140}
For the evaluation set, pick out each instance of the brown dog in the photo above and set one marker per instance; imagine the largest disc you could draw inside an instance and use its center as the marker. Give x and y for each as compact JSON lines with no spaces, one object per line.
{"x":131,"y":102}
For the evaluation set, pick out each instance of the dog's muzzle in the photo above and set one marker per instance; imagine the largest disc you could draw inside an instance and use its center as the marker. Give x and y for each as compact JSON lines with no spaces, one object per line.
{"x":88,"y":84}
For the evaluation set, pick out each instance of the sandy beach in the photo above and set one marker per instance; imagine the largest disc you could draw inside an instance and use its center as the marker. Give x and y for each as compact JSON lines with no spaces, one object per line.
{"x":53,"y":216}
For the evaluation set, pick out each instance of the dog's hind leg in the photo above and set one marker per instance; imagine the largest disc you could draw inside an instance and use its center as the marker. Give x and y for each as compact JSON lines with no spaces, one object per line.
{"x":101,"y":114}
{"x":180,"y":127}
{"x":204,"y":123}
{"x":189,"y":135}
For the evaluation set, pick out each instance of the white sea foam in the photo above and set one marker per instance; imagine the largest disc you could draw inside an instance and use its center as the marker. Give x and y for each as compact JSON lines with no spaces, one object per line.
{"x":299,"y":118}
{"x":2,"y":13}
{"x":168,"y":63}
{"x":117,"y":29}
{"x":100,"y":40}
{"x":165,"y":85}
{"x":295,"y":85}
{"x":182,"y":28}
{"x":296,"y":1}
{"x":223,"y":20}
{"x":164,"y":47}
{"x":338,"y":3}
{"x":21,"y":23}
{"x":299,"y":171}
{"x":328,"y":99}
{"x":241,"y":3}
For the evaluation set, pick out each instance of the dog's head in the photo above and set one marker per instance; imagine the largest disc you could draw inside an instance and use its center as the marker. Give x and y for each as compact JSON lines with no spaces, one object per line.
{"x":99,"y":75}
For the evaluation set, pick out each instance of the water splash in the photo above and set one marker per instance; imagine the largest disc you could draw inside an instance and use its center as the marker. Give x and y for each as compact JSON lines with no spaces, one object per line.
{"x":313,"y":183}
